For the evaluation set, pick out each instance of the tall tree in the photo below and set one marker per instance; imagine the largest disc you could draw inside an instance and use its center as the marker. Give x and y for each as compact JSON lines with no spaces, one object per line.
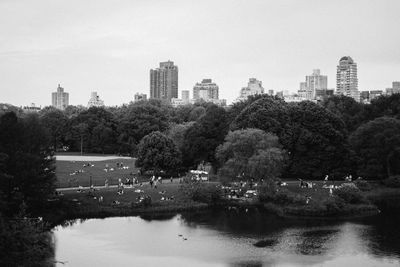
{"x":27,"y":161}
{"x":251,"y":153}
{"x":203,"y":137}
{"x":377,"y":145}
{"x":55,"y":122}
{"x":158,"y":153}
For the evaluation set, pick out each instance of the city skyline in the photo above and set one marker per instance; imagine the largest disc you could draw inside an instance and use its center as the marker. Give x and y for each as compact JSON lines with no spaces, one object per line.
{"x":112,"y":47}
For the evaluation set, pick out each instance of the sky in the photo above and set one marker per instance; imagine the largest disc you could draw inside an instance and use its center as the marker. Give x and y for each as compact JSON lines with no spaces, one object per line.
{"x":110,"y":46}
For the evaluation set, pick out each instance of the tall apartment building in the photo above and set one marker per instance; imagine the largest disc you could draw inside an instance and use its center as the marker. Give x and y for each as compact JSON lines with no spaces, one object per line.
{"x":396,"y":87}
{"x":206,"y":90}
{"x":314,"y":84}
{"x":60,"y":99}
{"x":95,"y":100}
{"x":140,"y":97}
{"x":254,"y":87}
{"x":185,"y":96}
{"x":164,"y":81}
{"x":346,"y":78}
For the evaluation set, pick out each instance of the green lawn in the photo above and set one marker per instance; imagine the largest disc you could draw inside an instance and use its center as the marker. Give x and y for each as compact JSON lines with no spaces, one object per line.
{"x":109,"y":195}
{"x":317,"y":193}
{"x":64,"y":169}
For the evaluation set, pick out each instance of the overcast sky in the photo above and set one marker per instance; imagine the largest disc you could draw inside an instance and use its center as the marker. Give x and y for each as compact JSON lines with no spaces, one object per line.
{"x":110,"y":46}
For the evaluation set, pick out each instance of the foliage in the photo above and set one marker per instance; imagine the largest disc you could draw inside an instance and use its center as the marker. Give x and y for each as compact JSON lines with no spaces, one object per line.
{"x":392,"y":181}
{"x":55,"y":121}
{"x":204,"y":136}
{"x":177,"y":133}
{"x":27,"y":165}
{"x":251,"y":154}
{"x":314,"y":137}
{"x":334,"y":205}
{"x":377,"y":145}
{"x":349,"y":193}
{"x":139,"y":120}
{"x":347,"y":109}
{"x":24,"y":243}
{"x":363,"y":185}
{"x":201,"y":192}
{"x":267,"y":191}
{"x":157,"y":152}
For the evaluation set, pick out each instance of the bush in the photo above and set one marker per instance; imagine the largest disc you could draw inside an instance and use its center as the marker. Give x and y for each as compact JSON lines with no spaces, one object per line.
{"x":267,"y":191}
{"x":334,"y":205}
{"x":392,"y":181}
{"x":349,"y":193}
{"x":363,"y":185}
{"x":201,"y":192}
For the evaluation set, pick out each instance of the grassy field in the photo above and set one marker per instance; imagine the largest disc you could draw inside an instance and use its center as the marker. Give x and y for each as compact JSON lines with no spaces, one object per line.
{"x":317,"y":192}
{"x":72,"y":173}
{"x":131,"y":194}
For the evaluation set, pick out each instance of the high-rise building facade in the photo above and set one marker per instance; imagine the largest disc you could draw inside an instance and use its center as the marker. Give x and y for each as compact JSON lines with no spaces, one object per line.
{"x":206,"y":90}
{"x":314,"y":85}
{"x":60,"y":99}
{"x":164,"y":81}
{"x":254,"y":87}
{"x":346,"y":78}
{"x":185,"y":96}
{"x":396,"y":87}
{"x":140,"y":97}
{"x":95,"y":100}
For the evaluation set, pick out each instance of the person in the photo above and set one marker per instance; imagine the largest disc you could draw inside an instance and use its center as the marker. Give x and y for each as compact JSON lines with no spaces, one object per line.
{"x":106,"y":183}
{"x":171,"y":179}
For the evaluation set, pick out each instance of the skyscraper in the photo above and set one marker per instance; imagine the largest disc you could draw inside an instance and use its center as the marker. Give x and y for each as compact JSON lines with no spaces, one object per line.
{"x":95,"y":100}
{"x":396,"y":87}
{"x":140,"y":97}
{"x":185,"y":96}
{"x":254,"y":87}
{"x":206,"y":90}
{"x":60,"y":99}
{"x":164,"y":81}
{"x":314,"y":83}
{"x":346,"y":78}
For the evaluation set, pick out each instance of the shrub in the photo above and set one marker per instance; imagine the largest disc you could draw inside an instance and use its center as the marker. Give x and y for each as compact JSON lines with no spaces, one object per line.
{"x":267,"y":191}
{"x":363,"y":185}
{"x":392,"y":181}
{"x":201,"y":192}
{"x":334,"y":205}
{"x":349,"y":193}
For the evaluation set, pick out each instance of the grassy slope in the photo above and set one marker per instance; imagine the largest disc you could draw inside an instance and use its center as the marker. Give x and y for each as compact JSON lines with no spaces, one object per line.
{"x":65,"y":168}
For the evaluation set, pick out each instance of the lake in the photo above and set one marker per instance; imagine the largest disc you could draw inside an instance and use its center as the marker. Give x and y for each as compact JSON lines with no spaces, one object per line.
{"x":227,"y":238}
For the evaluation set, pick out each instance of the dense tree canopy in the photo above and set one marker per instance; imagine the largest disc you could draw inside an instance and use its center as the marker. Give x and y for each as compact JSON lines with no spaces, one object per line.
{"x":157,"y":152}
{"x":314,"y":137}
{"x":27,"y":170}
{"x":377,"y":145}
{"x":203,"y":137}
{"x":251,"y":154}
{"x":347,"y":109}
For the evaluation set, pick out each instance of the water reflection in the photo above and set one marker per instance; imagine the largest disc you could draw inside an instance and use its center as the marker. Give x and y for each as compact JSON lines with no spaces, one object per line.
{"x":227,"y":239}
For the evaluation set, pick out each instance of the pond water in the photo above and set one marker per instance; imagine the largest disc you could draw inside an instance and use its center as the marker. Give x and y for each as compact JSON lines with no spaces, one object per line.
{"x":227,"y":238}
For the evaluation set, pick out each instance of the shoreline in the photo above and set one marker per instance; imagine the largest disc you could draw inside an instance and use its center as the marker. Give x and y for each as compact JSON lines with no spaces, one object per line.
{"x":156,"y":210}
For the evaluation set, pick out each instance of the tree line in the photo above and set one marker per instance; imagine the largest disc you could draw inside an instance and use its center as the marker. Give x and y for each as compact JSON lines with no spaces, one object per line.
{"x":336,"y":137}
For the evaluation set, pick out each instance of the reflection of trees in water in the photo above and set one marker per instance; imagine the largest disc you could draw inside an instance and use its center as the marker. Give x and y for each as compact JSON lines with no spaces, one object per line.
{"x":384,"y":236}
{"x":316,"y":242}
{"x":157,"y":217}
{"x":247,"y":264}
{"x":254,"y":222}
